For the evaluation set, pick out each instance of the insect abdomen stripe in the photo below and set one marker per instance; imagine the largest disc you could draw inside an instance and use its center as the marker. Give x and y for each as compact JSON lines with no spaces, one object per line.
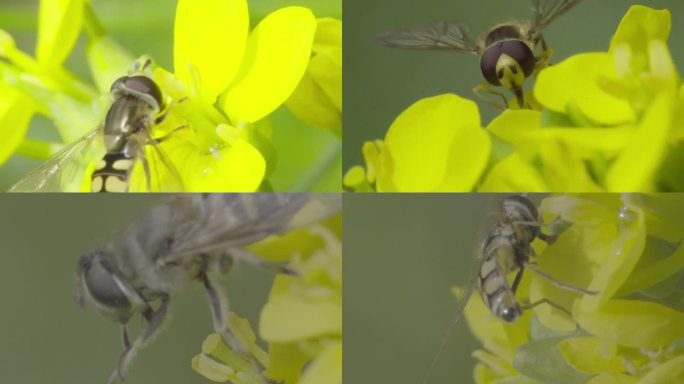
{"x":112,"y":173}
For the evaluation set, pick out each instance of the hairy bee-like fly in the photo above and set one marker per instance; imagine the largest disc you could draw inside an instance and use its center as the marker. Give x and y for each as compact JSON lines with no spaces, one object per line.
{"x":138,"y":105}
{"x":506,"y":50}
{"x":189,"y":238}
{"x":507,"y":248}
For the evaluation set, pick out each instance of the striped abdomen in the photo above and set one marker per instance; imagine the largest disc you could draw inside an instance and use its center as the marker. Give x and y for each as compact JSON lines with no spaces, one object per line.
{"x":498,"y":255}
{"x":112,"y":173}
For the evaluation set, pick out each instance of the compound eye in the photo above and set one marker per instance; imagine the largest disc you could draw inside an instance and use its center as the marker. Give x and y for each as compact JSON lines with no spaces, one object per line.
{"x":516,"y":49}
{"x":522,"y":206}
{"x":120,"y":83}
{"x":145,"y":85}
{"x":100,"y":283}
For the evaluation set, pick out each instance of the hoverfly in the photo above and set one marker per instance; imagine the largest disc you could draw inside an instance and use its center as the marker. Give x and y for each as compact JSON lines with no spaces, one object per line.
{"x":506,"y":50}
{"x":125,"y":138}
{"x":189,"y":238}
{"x":506,"y":248}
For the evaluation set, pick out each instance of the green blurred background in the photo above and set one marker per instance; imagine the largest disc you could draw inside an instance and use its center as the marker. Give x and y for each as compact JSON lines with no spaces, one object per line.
{"x":45,"y":337}
{"x":146,"y":27}
{"x":403,"y":253}
{"x":381,"y":82}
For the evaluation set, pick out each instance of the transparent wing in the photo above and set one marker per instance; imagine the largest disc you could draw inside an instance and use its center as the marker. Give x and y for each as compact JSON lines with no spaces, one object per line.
{"x":65,"y":170}
{"x":441,"y":35}
{"x":456,"y":317}
{"x":223,"y":221}
{"x":546,"y":11}
{"x":161,"y":174}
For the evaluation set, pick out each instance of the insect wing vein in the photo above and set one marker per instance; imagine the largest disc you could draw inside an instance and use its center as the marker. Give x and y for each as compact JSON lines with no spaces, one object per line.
{"x":440,"y":35}
{"x":64,"y":166}
{"x":233,"y":220}
{"x":163,"y":175}
{"x":546,"y":11}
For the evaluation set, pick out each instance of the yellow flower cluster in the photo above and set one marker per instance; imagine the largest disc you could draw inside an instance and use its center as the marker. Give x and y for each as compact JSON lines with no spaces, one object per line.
{"x":607,"y":121}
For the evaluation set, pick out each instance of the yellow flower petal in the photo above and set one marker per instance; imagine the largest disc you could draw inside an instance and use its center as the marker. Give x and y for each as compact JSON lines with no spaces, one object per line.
{"x":437,"y":145}
{"x":574,"y":83}
{"x":671,"y":371}
{"x":239,"y":167}
{"x":633,"y":323}
{"x":326,"y":69}
{"x":514,"y":173}
{"x":636,"y":167}
{"x":565,"y":170}
{"x":328,"y":35}
{"x":583,"y":353}
{"x":276,"y":57}
{"x":640,"y":25}
{"x":59,"y":23}
{"x":212,"y":36}
{"x":565,"y":262}
{"x":285,"y":361}
{"x":289,"y":317}
{"x":379,"y":165}
{"x":613,"y":378}
{"x":523,"y":129}
{"x":313,"y":106}
{"x":326,"y":368}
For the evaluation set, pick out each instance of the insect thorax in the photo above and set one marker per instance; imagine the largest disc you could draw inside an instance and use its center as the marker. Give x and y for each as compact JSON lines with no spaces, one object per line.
{"x":503,"y":32}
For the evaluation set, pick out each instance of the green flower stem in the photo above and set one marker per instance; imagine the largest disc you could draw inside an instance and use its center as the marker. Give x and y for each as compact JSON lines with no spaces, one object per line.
{"x":39,"y":150}
{"x":314,"y":174}
{"x":60,"y":77}
{"x":92,"y":24}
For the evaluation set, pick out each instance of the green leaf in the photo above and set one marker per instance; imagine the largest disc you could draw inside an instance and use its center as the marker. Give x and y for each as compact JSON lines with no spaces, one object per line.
{"x":16,"y":111}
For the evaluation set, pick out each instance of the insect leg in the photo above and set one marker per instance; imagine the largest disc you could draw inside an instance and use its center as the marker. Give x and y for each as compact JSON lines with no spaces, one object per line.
{"x":551,"y":303}
{"x":163,"y":114}
{"x":485,"y":91}
{"x":159,"y":140}
{"x":543,"y":60}
{"x":559,"y":283}
{"x":253,"y":259}
{"x":154,"y":321}
{"x":124,"y":337}
{"x":518,"y":277}
{"x":219,"y":311}
{"x":542,"y":41}
{"x":148,"y":174}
